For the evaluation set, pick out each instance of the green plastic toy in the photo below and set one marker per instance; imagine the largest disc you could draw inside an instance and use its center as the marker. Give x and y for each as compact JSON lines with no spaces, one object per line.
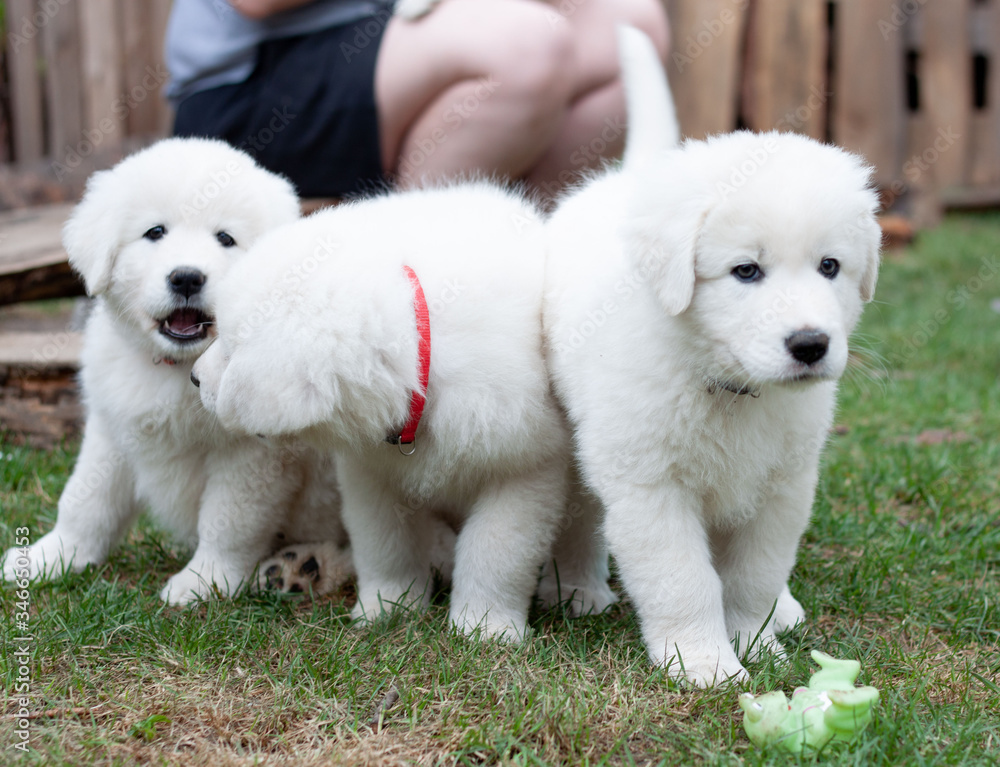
{"x":830,"y":708}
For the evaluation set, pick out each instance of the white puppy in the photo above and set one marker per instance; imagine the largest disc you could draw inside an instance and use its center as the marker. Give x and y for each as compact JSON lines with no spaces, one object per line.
{"x":333,"y":350}
{"x":153,"y":239}
{"x":698,"y":308}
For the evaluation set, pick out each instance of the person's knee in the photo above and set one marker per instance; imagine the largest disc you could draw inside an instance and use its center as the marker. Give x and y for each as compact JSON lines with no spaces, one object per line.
{"x":538,"y":62}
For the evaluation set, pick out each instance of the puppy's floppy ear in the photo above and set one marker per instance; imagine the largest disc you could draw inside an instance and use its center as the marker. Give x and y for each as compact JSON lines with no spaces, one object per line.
{"x":873,"y":245}
{"x":661,"y":245}
{"x":91,"y":235}
{"x":868,"y":229}
{"x":253,"y":398}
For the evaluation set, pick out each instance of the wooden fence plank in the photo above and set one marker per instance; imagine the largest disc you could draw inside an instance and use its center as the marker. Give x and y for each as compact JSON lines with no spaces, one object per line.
{"x":23,"y":57}
{"x":985,"y":124}
{"x":102,"y":69}
{"x":785,"y":72}
{"x":63,"y":81}
{"x":868,"y":94}
{"x":945,"y":72}
{"x":164,"y":112}
{"x":144,"y":73}
{"x":705,"y":62}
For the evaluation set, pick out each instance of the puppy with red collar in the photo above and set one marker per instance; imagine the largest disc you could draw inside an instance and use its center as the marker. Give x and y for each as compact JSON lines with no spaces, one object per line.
{"x":404,"y":333}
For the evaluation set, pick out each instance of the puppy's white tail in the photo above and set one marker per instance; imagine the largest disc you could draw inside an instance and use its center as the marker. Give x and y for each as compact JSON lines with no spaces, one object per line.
{"x":652,"y":118}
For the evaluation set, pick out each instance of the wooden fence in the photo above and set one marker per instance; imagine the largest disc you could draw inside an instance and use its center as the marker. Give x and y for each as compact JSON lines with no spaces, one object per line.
{"x":914,"y":85}
{"x":80,"y":77}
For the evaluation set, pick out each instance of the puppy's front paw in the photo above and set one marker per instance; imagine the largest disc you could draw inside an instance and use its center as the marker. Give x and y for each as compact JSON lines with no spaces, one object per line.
{"x":186,"y":587}
{"x":320,"y":568}
{"x":787,"y":612}
{"x":704,"y":669}
{"x":49,"y":558}
{"x":711,"y":675}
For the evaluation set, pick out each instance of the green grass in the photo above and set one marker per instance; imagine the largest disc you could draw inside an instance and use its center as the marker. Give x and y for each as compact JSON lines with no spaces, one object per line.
{"x":898,"y":569}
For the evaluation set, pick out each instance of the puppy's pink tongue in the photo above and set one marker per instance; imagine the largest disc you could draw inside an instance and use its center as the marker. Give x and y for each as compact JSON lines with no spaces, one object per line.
{"x":184,"y":322}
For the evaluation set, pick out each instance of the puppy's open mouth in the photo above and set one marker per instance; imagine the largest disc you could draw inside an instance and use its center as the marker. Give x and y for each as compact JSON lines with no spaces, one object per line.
{"x":186,"y":325}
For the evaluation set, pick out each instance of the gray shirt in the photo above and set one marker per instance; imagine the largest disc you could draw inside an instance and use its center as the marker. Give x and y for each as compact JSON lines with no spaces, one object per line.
{"x":210,"y":44}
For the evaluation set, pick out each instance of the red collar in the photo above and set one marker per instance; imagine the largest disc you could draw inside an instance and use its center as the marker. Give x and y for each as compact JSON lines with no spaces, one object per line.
{"x":417,"y":399}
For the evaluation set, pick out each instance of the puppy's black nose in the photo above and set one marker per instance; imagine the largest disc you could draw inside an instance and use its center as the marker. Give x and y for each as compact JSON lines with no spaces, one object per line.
{"x":808,"y":346}
{"x":186,"y":282}
{"x":194,"y":379}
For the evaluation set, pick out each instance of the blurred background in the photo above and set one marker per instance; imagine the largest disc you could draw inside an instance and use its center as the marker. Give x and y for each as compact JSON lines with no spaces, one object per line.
{"x":911,"y":84}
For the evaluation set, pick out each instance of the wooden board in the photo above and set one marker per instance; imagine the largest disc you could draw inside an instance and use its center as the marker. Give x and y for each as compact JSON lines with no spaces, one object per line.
{"x":945,"y":72}
{"x":102,"y":70}
{"x":23,"y":54}
{"x":868,"y":102}
{"x":145,"y":76}
{"x":39,"y":408}
{"x":984,"y":151}
{"x":40,"y":351}
{"x":32,"y":260}
{"x":785,"y":82}
{"x":704,"y":65}
{"x":63,"y":83}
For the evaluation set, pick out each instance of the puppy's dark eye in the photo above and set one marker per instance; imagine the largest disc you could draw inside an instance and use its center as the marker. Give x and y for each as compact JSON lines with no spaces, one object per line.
{"x":829,"y":267}
{"x":155,"y":233}
{"x":748,"y":273}
{"x":225,"y":239}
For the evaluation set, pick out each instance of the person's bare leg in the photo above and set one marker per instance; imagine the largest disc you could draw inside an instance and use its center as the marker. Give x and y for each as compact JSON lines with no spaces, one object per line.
{"x":516,"y":88}
{"x":477,"y":85}
{"x":593,"y":129}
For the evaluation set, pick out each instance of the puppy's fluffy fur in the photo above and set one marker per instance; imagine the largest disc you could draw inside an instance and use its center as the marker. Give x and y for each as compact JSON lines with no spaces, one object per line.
{"x":153,"y":239}
{"x":318,"y":338}
{"x":698,"y":308}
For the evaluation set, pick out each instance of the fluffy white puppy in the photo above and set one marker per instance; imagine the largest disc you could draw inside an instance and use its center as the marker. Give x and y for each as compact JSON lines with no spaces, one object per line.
{"x":153,"y":239}
{"x":322,"y":336}
{"x":698,"y":307}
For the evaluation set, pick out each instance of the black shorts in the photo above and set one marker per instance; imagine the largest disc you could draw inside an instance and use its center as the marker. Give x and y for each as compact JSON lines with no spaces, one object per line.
{"x":307,"y":111}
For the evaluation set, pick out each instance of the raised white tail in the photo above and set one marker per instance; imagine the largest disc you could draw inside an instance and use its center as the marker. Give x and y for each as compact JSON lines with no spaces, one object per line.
{"x":652,"y":118}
